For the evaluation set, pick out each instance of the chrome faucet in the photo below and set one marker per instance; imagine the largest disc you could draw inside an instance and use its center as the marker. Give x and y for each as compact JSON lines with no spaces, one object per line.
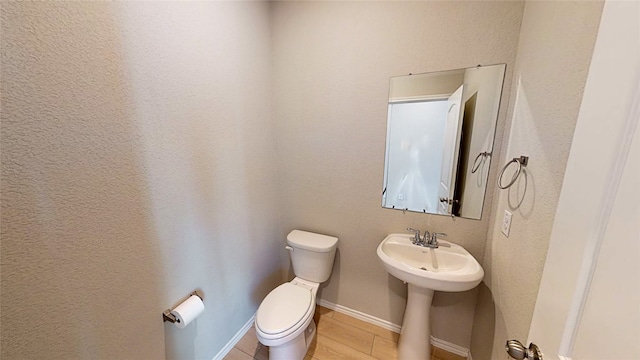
{"x":416,"y":237}
{"x":433,"y":241}
{"x":420,"y":241}
{"x":429,"y":240}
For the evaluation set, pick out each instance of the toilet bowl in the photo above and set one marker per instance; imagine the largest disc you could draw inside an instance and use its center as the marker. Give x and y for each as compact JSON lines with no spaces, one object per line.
{"x":284,"y":320}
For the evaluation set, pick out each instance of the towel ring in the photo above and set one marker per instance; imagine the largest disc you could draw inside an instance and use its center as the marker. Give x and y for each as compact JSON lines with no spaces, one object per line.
{"x":476,"y":164}
{"x":521,"y":161}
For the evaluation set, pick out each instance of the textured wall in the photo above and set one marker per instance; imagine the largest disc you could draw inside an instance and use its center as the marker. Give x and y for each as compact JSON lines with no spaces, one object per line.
{"x":332,"y":64}
{"x":554,"y":52}
{"x":136,"y":166}
{"x":138,"y":160}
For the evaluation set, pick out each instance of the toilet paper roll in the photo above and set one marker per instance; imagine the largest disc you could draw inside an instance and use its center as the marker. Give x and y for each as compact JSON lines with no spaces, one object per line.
{"x":186,"y":312}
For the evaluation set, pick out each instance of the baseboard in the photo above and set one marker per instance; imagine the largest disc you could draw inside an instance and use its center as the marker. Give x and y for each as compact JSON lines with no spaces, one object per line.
{"x":439,"y":343}
{"x":360,"y":316}
{"x":235,"y":339}
{"x":451,"y":347}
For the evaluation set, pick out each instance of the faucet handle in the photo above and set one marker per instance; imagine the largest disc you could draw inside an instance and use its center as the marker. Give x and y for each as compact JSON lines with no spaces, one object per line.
{"x":416,"y":233}
{"x":435,"y":236}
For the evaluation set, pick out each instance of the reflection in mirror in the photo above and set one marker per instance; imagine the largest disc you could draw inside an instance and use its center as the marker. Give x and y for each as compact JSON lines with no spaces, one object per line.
{"x":440,"y":131}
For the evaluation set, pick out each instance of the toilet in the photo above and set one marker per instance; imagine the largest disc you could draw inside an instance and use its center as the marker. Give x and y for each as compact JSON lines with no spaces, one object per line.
{"x":284,"y":320}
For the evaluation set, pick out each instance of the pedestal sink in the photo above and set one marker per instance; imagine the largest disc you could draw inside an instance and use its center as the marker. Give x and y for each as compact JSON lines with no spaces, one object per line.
{"x":447,"y":268}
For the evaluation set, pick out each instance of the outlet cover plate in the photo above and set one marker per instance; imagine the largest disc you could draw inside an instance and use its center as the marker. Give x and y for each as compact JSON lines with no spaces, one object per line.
{"x":506,"y":223}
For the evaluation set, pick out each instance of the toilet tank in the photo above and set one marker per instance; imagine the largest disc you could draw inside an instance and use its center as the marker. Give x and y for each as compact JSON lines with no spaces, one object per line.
{"x":312,"y":255}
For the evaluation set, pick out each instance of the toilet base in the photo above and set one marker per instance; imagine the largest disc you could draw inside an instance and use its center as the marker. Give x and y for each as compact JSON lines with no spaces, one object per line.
{"x":295,"y":349}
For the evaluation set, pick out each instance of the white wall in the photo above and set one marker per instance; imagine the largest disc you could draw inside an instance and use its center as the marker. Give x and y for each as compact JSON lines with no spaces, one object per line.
{"x":332,"y":64}
{"x":612,"y":316}
{"x":137,"y":166}
{"x":138,"y":156}
{"x":554,"y":51}
{"x":597,"y":235}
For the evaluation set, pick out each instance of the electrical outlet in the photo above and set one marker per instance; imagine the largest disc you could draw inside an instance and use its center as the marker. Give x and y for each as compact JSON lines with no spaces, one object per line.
{"x":506,"y":223}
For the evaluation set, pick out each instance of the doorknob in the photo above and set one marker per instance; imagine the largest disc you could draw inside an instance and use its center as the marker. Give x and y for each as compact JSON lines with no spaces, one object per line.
{"x":516,"y":350}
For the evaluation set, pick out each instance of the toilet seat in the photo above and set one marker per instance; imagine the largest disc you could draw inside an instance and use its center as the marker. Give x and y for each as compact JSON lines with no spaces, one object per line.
{"x":284,"y":313}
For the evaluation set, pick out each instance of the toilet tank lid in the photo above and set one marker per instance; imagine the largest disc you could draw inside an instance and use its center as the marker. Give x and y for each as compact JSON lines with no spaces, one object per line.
{"x":311,"y":241}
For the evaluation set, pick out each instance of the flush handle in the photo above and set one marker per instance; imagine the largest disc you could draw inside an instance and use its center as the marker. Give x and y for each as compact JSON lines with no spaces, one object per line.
{"x":289,"y":248}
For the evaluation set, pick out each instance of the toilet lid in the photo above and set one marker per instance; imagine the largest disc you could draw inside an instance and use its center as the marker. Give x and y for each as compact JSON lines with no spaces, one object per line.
{"x":285,"y":307}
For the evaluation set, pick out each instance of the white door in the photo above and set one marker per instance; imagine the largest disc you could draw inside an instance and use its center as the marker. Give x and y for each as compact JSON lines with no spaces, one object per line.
{"x":450,"y":147}
{"x":588,"y":304}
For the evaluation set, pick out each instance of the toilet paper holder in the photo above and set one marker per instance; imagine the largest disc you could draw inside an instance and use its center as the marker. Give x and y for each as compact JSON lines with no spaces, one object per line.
{"x":168,"y":316}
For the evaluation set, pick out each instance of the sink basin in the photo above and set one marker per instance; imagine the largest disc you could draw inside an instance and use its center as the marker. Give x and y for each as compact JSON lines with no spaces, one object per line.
{"x":447,"y":268}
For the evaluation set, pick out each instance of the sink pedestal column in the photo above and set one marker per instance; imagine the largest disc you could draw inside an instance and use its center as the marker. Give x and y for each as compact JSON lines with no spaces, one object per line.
{"x":415,"y":337}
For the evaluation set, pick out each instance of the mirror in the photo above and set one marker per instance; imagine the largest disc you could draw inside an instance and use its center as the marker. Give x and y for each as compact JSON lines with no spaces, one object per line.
{"x":440,"y":132}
